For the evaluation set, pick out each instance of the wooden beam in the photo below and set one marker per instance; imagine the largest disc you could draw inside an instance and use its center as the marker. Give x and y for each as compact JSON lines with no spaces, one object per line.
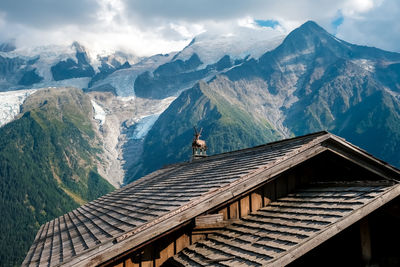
{"x":234,"y":210}
{"x":365,"y":239}
{"x":361,"y":158}
{"x":209,"y":220}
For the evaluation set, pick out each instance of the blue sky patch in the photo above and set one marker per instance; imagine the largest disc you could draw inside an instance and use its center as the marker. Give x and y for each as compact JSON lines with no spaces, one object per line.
{"x":338,"y":20}
{"x":267,"y":23}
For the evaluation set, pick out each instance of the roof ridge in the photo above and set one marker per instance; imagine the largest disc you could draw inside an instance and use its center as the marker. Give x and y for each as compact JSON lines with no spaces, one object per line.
{"x":270,"y":144}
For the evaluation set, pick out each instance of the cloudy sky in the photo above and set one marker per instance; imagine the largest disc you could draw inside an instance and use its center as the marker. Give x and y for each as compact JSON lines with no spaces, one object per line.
{"x":146,"y":27}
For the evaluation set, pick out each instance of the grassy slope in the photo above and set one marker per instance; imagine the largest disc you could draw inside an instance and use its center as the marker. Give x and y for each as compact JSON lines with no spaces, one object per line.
{"x":46,"y":167}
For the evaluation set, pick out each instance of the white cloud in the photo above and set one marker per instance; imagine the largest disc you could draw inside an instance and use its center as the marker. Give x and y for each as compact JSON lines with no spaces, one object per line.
{"x":355,"y":7}
{"x":157,"y":26}
{"x":377,"y":26}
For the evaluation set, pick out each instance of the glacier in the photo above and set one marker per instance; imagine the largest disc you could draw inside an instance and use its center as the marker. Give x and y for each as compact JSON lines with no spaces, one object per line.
{"x":143,"y":126}
{"x":99,"y":113}
{"x":10,"y":104}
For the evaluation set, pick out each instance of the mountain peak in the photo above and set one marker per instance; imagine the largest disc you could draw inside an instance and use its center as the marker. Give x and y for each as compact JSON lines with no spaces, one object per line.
{"x":310,"y":24}
{"x":311,"y":27}
{"x":312,"y":36}
{"x":78,"y":47}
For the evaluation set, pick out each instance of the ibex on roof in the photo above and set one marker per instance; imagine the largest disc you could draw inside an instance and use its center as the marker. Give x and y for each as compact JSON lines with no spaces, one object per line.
{"x":199,"y":146}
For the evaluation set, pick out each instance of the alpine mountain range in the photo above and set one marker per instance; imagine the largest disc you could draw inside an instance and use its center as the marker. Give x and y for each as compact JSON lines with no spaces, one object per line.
{"x":76,"y":125}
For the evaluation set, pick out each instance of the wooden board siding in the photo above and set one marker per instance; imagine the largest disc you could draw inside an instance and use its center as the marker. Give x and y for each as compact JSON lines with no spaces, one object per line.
{"x":234,"y":210}
{"x":166,"y":250}
{"x":244,"y":206}
{"x":131,"y":262}
{"x":182,"y":242}
{"x":256,"y":200}
{"x":224,"y":212}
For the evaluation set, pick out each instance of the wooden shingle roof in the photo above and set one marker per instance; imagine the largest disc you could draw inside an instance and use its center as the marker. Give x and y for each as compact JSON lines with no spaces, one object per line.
{"x":287,"y":228}
{"x":164,"y":199}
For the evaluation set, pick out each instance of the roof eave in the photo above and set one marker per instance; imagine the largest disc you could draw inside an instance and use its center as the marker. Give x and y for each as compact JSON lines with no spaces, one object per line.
{"x":336,"y":228}
{"x":362,"y":158}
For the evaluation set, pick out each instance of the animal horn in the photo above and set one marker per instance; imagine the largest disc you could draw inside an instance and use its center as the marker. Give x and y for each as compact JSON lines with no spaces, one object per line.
{"x":201,"y":129}
{"x":195,"y":130}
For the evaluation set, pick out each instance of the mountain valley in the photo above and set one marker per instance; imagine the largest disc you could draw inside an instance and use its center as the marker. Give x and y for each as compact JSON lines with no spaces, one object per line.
{"x":74,"y":126}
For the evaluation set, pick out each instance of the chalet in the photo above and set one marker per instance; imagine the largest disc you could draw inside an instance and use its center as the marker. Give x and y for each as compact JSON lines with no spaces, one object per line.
{"x":315,"y":200}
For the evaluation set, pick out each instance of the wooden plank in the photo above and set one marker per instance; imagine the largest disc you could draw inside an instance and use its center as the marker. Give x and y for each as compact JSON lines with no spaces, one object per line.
{"x":197,"y":237}
{"x":259,"y":232}
{"x":318,"y":206}
{"x":244,"y":206}
{"x":182,"y":242}
{"x":248,"y":248}
{"x":234,"y":210}
{"x":279,"y":229}
{"x":200,"y":256}
{"x":327,"y":200}
{"x":250,"y":255}
{"x":224,"y":213}
{"x":299,"y":210}
{"x":44,"y":252}
{"x":307,"y":224}
{"x":210,"y":219}
{"x":254,"y":240}
{"x":365,"y":243}
{"x":133,"y":261}
{"x":256,"y":200}
{"x":299,"y":216}
{"x":166,"y":250}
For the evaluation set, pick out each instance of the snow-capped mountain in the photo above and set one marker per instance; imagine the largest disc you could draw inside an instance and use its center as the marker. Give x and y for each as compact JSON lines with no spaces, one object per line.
{"x":45,"y":66}
{"x":120,"y":80}
{"x":207,"y":55}
{"x":215,"y":52}
{"x":244,"y":42}
{"x":73,"y":65}
{"x":56,"y":66}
